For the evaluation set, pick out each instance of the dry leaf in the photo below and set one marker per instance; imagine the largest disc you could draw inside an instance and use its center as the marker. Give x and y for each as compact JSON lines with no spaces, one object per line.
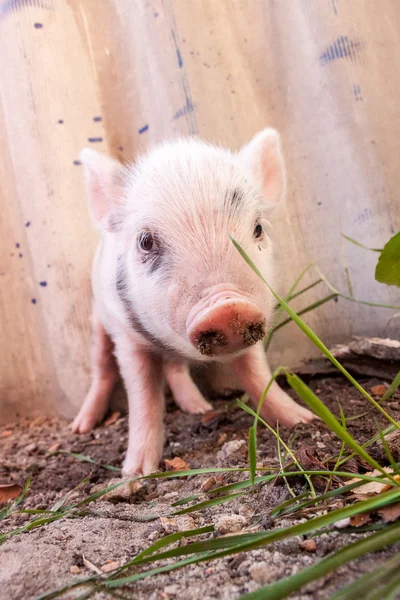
{"x":112,"y":418}
{"x":208,"y":484}
{"x":379,"y":390}
{"x":176,"y":464}
{"x":306,"y":456}
{"x":54,"y":447}
{"x":308,"y":545}
{"x":360,"y":519}
{"x":372,"y":488}
{"x":210,"y":415}
{"x":9,"y":491}
{"x":91,"y":566}
{"x":390,"y":513}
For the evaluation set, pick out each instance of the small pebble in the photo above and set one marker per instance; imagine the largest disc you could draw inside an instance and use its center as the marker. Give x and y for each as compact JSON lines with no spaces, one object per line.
{"x":110,"y":566}
{"x":75,"y":570}
{"x":230,"y":523}
{"x":308,"y":545}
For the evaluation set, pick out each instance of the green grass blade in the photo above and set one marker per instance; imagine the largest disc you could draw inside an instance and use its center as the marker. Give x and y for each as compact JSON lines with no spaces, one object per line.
{"x":387,"y":449}
{"x":314,"y":338}
{"x":307,"y":309}
{"x":288,"y":450}
{"x":8,"y":510}
{"x":284,"y":587}
{"x":361,"y":245}
{"x":84,"y":458}
{"x":268,"y":339}
{"x":304,"y":290}
{"x":249,"y":541}
{"x":325,"y":414}
{"x":208,"y":503}
{"x":252,"y":453}
{"x":278,"y":442}
{"x":330,"y":286}
{"x":392,"y":388}
{"x":363,"y":585}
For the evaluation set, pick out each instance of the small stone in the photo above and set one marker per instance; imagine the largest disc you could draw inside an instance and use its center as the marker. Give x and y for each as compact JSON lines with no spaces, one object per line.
{"x":169,"y":525}
{"x":185,"y":522}
{"x":308,"y":545}
{"x":31,"y":448}
{"x":110,"y":565}
{"x":232,"y":452}
{"x":230,"y":523}
{"x":172,"y":590}
{"x":263,"y":572}
{"x":75,"y":570}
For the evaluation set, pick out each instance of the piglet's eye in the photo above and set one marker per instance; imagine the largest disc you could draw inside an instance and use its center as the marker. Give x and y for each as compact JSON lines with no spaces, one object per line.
{"x":146,"y":242}
{"x":258,"y":231}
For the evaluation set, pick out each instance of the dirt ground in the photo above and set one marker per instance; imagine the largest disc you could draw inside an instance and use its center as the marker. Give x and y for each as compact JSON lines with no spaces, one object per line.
{"x":113,"y":532}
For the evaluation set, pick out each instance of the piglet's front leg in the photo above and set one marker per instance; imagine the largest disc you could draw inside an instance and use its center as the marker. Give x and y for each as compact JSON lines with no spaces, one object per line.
{"x":142,"y":376}
{"x":253,"y":374}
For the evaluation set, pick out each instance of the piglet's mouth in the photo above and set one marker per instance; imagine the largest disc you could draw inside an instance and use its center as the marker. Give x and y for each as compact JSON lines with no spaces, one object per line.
{"x":228,"y":325}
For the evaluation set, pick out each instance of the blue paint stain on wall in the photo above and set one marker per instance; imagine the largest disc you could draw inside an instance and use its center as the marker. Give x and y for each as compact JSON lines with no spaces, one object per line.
{"x":38,"y":25}
{"x":27,"y":224}
{"x":95,"y":140}
{"x":341,"y":48}
{"x":97,"y":119}
{"x":33,"y":300}
{"x":76,"y":162}
{"x":20,"y":255}
{"x":60,"y":121}
{"x":17,"y":245}
{"x":144,"y":128}
{"x":185,"y":110}
{"x":43,"y":283}
{"x":178,"y":52}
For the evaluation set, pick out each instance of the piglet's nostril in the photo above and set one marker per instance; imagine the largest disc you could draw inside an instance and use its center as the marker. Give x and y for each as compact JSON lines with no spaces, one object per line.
{"x":208,"y":341}
{"x":253,"y":333}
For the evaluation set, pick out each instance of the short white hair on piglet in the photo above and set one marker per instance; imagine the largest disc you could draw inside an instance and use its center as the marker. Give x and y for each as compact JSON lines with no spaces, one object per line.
{"x":170,"y":289}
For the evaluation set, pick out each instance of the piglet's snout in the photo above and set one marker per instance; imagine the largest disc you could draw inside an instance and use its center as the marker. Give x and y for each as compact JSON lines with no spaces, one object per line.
{"x":227,"y":323}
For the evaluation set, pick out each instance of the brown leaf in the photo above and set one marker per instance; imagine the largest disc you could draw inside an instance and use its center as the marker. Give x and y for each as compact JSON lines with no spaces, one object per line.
{"x":360,"y":519}
{"x":112,"y":418}
{"x":390,"y":513}
{"x":308,"y":545}
{"x":9,"y":491}
{"x":54,"y":447}
{"x":176,"y":464}
{"x":306,"y":456}
{"x":210,"y":415}
{"x":372,"y":488}
{"x":208,"y":484}
{"x":379,"y":390}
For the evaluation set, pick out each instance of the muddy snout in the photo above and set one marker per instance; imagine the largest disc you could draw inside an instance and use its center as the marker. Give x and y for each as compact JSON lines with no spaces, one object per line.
{"x":227,"y":325}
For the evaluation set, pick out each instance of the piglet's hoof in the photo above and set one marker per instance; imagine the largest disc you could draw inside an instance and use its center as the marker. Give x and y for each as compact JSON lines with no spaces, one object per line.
{"x":123,"y":491}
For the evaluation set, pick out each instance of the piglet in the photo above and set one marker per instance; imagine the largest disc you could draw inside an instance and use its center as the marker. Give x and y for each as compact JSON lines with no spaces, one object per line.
{"x":170,"y":289}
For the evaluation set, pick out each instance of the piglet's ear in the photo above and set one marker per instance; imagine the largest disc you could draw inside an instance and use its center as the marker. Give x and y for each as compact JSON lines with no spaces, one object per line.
{"x":104,"y":178}
{"x":263,"y":156}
